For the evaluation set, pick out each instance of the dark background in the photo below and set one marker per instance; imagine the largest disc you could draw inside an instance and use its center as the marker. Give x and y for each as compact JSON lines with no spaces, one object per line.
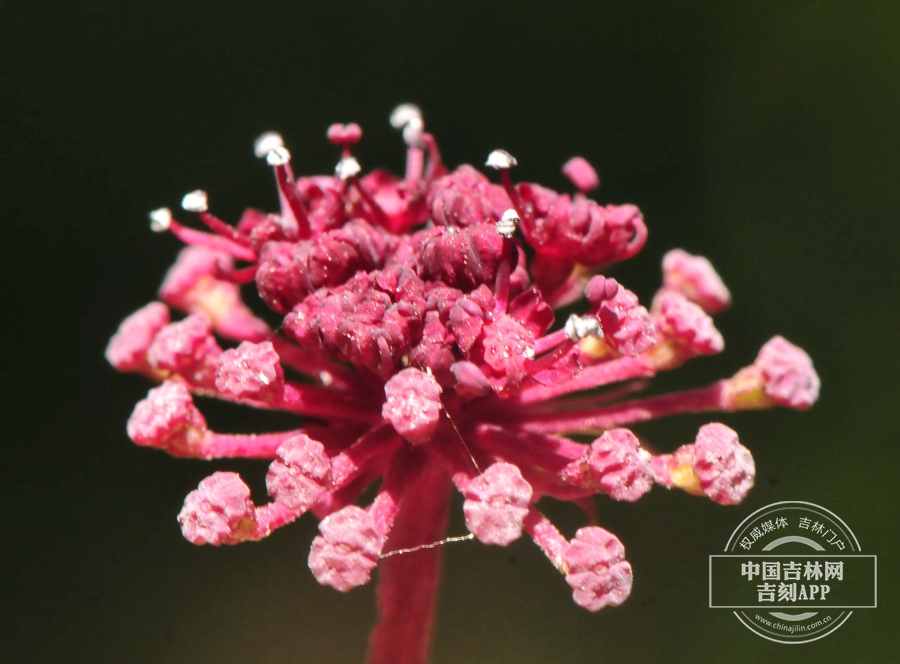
{"x":761,"y":134}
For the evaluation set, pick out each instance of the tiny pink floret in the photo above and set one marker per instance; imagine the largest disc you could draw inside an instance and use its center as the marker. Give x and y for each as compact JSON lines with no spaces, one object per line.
{"x":788,"y":372}
{"x":626,"y":324}
{"x":127,"y":350}
{"x":182,"y":345}
{"x":686,"y":325}
{"x":497,"y":503}
{"x":167,"y":419}
{"x":250,"y":371}
{"x":413,"y":404}
{"x":696,"y":279}
{"x":300,"y":474}
{"x":345,"y":553}
{"x":724,"y":466}
{"x":219,"y":511}
{"x":598,"y":573}
{"x":615,"y":464}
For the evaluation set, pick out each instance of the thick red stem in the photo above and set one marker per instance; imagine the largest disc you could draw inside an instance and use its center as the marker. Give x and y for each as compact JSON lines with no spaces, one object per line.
{"x":408,"y":583}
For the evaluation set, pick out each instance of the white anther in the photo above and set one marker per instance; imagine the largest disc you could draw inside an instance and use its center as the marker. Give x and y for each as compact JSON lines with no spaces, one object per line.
{"x":326,"y":378}
{"x":578,"y":327}
{"x":403,"y":114}
{"x":267,"y":142}
{"x":507,"y":224}
{"x":195,"y":201}
{"x":160,"y":220}
{"x":347,"y":167}
{"x":412,"y":132}
{"x":278,"y":156}
{"x":501,"y":160}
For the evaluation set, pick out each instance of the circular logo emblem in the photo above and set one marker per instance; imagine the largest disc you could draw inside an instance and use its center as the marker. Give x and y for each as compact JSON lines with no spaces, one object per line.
{"x":792,"y":572}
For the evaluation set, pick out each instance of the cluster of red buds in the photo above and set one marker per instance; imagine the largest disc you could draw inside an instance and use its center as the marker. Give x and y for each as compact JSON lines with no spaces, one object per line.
{"x":418,"y":347}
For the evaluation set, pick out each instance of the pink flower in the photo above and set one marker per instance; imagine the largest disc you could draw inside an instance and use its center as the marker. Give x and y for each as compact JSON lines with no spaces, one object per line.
{"x":696,"y":279}
{"x":418,"y":347}
{"x":716,"y":465}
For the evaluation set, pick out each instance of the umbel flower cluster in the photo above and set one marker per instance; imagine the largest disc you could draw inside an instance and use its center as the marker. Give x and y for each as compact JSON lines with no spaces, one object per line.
{"x":419,"y":348}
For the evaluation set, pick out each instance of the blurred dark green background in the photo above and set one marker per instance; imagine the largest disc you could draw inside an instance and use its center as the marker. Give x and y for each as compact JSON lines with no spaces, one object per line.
{"x":761,"y":134}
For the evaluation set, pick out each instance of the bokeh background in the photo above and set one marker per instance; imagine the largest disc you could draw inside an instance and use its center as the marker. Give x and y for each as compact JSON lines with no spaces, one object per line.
{"x":762,"y":134}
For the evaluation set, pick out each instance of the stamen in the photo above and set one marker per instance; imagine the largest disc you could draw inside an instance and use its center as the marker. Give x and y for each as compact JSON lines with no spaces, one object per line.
{"x":402,"y":115}
{"x":195,"y":201}
{"x":502,"y":161}
{"x":271,"y":146}
{"x":267,"y":142}
{"x":408,"y":118}
{"x":198,"y":201}
{"x":507,"y":228}
{"x":278,"y":156}
{"x":160,"y":220}
{"x":508,"y":223}
{"x":348,"y":169}
{"x":412,"y":132}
